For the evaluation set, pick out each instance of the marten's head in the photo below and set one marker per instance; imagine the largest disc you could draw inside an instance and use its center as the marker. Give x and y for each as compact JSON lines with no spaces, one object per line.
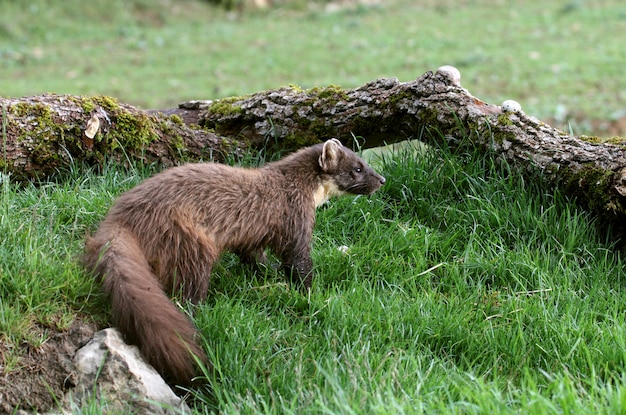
{"x":342,"y":171}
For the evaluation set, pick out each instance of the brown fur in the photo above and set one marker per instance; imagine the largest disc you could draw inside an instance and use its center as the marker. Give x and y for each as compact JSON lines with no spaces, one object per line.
{"x":164,"y":235}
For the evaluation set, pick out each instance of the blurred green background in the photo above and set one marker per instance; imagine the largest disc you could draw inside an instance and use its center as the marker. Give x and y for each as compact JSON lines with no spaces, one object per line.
{"x":563,"y":60}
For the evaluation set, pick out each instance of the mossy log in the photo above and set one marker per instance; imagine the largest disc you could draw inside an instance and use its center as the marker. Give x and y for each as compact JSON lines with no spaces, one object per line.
{"x":44,"y":134}
{"x":434,"y":108}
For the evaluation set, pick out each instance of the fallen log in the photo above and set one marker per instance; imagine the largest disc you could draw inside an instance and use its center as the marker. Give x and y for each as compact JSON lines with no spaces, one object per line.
{"x":44,"y":134}
{"x":437,"y":109}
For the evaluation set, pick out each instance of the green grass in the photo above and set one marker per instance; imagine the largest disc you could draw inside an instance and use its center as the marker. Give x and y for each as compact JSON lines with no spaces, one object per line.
{"x":556,"y":58}
{"x":42,"y":286}
{"x":463,"y":290}
{"x":457,"y":288}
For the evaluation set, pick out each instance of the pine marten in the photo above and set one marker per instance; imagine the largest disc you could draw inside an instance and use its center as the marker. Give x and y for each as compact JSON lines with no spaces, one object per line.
{"x":163,"y":236}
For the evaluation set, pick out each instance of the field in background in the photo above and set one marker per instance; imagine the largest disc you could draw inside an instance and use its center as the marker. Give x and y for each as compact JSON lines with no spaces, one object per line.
{"x":561,"y":60}
{"x":459,"y":287}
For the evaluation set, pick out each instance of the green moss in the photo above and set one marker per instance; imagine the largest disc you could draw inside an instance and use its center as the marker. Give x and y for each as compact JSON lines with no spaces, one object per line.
{"x":88,"y":106}
{"x":364,"y":126}
{"x":591,"y":139}
{"x":43,"y":133}
{"x":225,"y":107}
{"x":325,"y":97}
{"x":616,"y":140}
{"x":598,"y":140}
{"x":429,"y":116}
{"x":48,"y":135}
{"x":106,"y":102}
{"x":397,"y":97}
{"x":37,"y":110}
{"x":296,"y":88}
{"x":132,"y":131}
{"x":86,"y":103}
{"x":320,"y":128}
{"x":44,"y":128}
{"x":169,"y":127}
{"x":331,"y":92}
{"x":178,"y":143}
{"x":176,"y":119}
{"x":500,"y":134}
{"x":89,"y":103}
{"x":503,"y":119}
{"x":591,"y":185}
{"x":44,"y":156}
{"x":300,"y":139}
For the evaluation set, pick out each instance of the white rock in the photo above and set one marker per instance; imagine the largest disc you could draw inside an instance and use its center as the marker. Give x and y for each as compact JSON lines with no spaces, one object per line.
{"x":119,"y":376}
{"x":511,"y":106}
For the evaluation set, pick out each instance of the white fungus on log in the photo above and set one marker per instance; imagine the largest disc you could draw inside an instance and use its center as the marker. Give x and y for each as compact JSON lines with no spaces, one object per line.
{"x":452,"y":72}
{"x":511,"y":106}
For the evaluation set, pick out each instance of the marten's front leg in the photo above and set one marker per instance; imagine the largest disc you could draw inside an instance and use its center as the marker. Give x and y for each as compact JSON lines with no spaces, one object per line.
{"x":299,"y":268}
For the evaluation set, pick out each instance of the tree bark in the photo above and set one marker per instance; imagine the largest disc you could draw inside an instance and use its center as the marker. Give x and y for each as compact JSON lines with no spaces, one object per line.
{"x":44,"y":134}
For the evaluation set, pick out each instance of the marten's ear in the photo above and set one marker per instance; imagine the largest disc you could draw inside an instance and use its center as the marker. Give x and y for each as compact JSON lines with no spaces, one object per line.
{"x":331,"y":152}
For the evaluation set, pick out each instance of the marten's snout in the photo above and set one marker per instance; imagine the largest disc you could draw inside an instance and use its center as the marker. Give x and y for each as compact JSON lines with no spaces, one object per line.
{"x":376,"y":181}
{"x":381,"y":179}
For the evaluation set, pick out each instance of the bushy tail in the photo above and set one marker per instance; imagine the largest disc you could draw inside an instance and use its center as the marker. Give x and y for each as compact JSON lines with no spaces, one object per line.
{"x":140,"y":307}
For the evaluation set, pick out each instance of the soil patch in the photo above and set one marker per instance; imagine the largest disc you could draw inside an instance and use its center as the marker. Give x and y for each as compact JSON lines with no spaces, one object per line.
{"x":45,"y":373}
